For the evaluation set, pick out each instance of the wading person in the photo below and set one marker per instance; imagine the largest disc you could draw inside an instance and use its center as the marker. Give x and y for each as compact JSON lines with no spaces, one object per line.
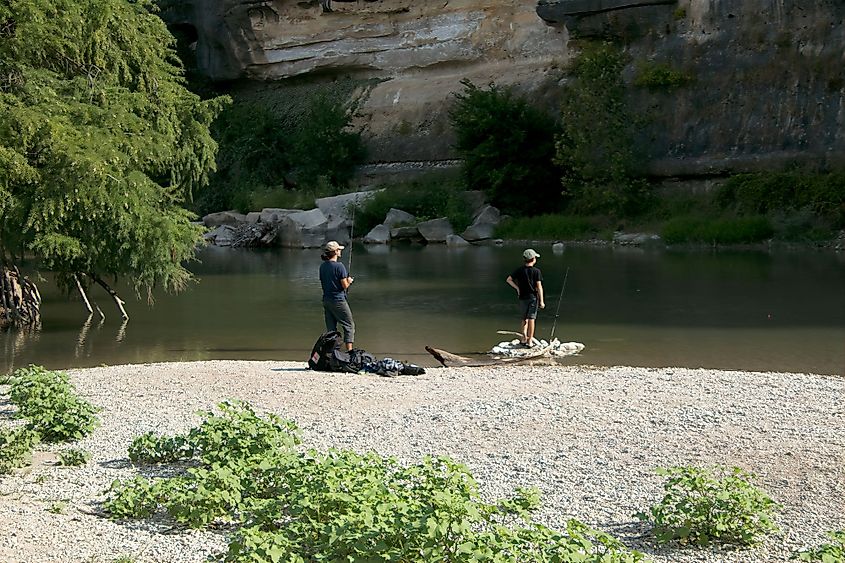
{"x":335,"y":280}
{"x":527,"y":280}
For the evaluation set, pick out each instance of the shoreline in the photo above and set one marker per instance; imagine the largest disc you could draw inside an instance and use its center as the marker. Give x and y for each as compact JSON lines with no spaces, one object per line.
{"x":589,"y":437}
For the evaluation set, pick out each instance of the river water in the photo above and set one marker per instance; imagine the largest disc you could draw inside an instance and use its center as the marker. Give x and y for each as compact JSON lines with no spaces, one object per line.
{"x":746,"y":310}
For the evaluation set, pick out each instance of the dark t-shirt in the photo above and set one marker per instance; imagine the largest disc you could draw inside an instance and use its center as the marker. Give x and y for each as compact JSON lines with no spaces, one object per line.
{"x":526,"y":277}
{"x":331,"y":272}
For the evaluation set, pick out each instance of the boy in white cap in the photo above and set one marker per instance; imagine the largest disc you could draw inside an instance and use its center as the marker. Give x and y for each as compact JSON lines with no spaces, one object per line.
{"x":527,"y":280}
{"x":335,"y":280}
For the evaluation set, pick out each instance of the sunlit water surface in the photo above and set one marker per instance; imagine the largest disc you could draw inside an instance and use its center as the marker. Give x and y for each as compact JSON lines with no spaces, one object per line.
{"x":747,"y":310}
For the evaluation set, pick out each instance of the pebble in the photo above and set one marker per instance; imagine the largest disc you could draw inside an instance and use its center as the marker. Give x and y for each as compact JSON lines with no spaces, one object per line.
{"x":589,"y":437}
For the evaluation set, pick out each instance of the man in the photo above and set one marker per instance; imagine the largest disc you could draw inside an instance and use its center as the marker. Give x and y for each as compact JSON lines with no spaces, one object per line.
{"x":528,"y":283}
{"x":335,"y":281}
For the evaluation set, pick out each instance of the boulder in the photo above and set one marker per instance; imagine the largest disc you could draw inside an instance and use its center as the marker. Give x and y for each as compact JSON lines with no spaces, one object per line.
{"x":405,"y":233}
{"x":487,"y":215}
{"x":483,"y":231}
{"x":455,"y":241}
{"x":274,"y":214}
{"x":475,"y":200}
{"x":396,"y":217}
{"x":339,"y":205}
{"x":223,"y":235}
{"x":635,"y":239}
{"x":436,"y":230}
{"x":303,"y":229}
{"x":253,"y":217}
{"x":223,"y":218}
{"x":380,"y":234}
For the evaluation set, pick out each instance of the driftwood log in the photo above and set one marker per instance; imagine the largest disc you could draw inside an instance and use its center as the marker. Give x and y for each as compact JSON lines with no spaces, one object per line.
{"x":20,"y":301}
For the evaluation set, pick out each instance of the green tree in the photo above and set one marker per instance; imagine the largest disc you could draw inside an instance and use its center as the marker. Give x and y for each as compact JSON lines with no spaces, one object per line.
{"x":507,"y":146}
{"x":596,"y":147}
{"x":100,"y":143}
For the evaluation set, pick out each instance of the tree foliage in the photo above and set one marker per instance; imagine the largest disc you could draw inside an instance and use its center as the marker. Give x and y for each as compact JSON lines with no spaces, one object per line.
{"x":596,"y":148}
{"x":306,"y":146}
{"x":100,"y":141}
{"x":507,"y":146}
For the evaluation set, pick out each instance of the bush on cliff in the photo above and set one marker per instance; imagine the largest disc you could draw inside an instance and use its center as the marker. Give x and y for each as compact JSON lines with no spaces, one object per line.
{"x":595,"y":149}
{"x":507,"y":146}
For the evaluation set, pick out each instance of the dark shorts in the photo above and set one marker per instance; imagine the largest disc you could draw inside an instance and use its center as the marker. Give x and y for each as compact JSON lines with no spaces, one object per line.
{"x":528,"y":307}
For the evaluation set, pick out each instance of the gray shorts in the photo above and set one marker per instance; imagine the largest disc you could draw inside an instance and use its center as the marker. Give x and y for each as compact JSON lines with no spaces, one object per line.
{"x":528,"y":307}
{"x":339,"y":313}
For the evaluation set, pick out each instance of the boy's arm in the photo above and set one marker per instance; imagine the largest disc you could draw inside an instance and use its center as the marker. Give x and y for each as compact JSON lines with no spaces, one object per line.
{"x":512,"y":284}
{"x":540,"y":294}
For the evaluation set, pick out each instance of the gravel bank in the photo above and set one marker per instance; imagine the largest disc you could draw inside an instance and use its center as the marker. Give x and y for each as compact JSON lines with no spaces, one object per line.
{"x":589,"y":438}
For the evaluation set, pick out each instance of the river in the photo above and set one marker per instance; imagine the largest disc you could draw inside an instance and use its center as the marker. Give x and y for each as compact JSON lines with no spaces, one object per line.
{"x":728,"y":309}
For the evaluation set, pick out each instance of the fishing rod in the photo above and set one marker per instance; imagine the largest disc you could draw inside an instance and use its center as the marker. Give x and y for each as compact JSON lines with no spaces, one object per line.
{"x":559,"y":299}
{"x":351,"y":238}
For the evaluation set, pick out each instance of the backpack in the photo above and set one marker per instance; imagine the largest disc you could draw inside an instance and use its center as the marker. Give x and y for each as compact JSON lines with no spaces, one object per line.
{"x":328,"y":354}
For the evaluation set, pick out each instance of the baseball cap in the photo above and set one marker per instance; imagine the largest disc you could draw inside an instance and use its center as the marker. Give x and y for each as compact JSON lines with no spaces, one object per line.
{"x":332,"y":246}
{"x":530,"y":254}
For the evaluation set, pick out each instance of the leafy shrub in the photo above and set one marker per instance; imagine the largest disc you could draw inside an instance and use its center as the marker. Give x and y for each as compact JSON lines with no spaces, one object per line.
{"x":660,"y":76}
{"x":74,"y":457}
{"x":831,"y":552}
{"x":548,"y":227}
{"x":711,"y":505}
{"x":134,"y":498}
{"x":435,"y":195}
{"x":50,"y":403}
{"x":290,"y":505}
{"x":151,"y":448}
{"x":507,"y":146}
{"x":16,"y":446}
{"x":717,"y":231}
{"x":823,"y":194}
{"x":264,"y":150}
{"x":595,"y":149}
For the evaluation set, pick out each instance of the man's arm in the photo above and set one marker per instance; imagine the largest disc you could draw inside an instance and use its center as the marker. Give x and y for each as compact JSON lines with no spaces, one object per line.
{"x":540,"y":294}
{"x":346,"y":282}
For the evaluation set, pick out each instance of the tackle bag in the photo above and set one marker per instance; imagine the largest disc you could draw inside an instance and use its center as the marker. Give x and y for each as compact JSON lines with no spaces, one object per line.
{"x":328,"y":354}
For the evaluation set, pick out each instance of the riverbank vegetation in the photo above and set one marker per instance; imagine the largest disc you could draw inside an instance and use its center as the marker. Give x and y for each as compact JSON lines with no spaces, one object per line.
{"x":101,"y":145}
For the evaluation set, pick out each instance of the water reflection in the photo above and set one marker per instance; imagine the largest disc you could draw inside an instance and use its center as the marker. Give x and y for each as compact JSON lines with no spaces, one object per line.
{"x":742,"y":310}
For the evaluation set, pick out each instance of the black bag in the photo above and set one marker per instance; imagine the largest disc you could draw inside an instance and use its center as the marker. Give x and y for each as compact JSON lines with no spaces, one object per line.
{"x":328,"y":354}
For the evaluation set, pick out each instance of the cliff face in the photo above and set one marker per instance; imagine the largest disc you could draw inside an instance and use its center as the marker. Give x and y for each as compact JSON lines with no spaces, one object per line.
{"x":765,"y":88}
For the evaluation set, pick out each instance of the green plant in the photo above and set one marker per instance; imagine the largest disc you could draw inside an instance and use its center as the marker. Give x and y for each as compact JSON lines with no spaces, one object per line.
{"x":595,"y":149}
{"x":507,"y":146}
{"x":16,"y":446}
{"x":152,"y":448}
{"x":831,"y":552}
{"x":74,"y":457}
{"x":654,"y":75}
{"x":266,"y":151}
{"x":50,"y":403}
{"x":293,"y":505}
{"x":549,"y":227}
{"x":734,"y":230}
{"x":701,"y":506}
{"x":100,"y":143}
{"x":437,"y":194}
{"x":823,"y":194}
{"x":58,"y":507}
{"x":134,"y":498}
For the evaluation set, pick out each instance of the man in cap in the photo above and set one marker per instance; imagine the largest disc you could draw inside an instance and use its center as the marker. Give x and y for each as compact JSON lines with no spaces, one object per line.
{"x":527,"y":280}
{"x":335,"y":281}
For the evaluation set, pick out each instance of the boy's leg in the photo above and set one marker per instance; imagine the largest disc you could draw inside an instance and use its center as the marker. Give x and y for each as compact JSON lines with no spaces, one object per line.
{"x":525,"y":332}
{"x":343,"y":314}
{"x":328,"y":316}
{"x":530,"y":332}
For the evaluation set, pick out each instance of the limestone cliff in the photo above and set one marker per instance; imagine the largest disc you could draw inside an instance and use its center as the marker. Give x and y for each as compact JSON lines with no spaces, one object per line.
{"x":766,"y":77}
